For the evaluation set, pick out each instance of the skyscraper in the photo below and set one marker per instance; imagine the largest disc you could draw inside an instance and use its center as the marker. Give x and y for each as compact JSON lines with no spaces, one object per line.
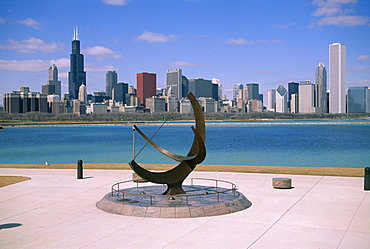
{"x":53,"y":80}
{"x":270,"y":99}
{"x":306,"y":97}
{"x":202,"y":88}
{"x":281,"y":99}
{"x":358,"y":99}
{"x":120,"y":92}
{"x":321,"y":88}
{"x":236,"y":92}
{"x":146,"y":86}
{"x":76,"y":75}
{"x":292,"y":89}
{"x":82,"y":94}
{"x":252,"y":91}
{"x":110,"y":82}
{"x":337,"y":78}
{"x":174,"y":83}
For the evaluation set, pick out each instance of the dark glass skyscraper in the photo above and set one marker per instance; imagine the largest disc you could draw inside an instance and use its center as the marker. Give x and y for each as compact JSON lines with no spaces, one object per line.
{"x":76,"y":75}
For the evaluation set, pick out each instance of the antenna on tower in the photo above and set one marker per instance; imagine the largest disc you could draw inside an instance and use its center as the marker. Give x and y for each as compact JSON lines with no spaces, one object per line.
{"x":75,"y":34}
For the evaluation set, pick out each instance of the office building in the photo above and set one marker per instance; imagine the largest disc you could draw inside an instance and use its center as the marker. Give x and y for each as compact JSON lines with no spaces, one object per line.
{"x":236,"y":92}
{"x":251,"y":91}
{"x":76,"y":75}
{"x":53,"y":102}
{"x":358,"y":99}
{"x":119,"y":93}
{"x":156,"y":104}
{"x":174,"y":84}
{"x":306,"y":98}
{"x":110,"y":82}
{"x":270,"y":100}
{"x":82,"y":94}
{"x":203,"y":88}
{"x":48,"y":89}
{"x":321,"y":88}
{"x":146,"y":86}
{"x":281,"y":99}
{"x":337,"y":78}
{"x":218,"y":86}
{"x":53,"y":80}
{"x":24,"y":101}
{"x":292,"y":89}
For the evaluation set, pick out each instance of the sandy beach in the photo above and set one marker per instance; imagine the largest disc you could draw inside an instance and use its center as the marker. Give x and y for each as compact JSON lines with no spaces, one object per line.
{"x":347,"y":172}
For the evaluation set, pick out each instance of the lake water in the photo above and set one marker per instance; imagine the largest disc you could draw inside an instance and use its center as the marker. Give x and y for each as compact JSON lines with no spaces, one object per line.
{"x":300,"y":145}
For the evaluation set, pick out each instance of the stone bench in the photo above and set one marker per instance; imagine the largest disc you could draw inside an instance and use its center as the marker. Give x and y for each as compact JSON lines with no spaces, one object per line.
{"x":282,"y":183}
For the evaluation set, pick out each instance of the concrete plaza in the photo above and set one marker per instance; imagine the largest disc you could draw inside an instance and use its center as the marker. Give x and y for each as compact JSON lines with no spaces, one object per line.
{"x":55,"y":210}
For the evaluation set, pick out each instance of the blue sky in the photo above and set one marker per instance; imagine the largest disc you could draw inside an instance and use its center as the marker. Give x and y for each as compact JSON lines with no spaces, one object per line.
{"x":237,"y":41}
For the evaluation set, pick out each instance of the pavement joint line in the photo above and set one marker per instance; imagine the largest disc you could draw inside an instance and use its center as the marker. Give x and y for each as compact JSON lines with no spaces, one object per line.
{"x":117,"y":231}
{"x":211,"y":218}
{"x":285,"y":213}
{"x":345,"y":232}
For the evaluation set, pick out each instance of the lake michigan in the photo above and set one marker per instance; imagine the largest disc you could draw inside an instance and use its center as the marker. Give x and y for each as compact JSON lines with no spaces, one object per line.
{"x":299,"y":144}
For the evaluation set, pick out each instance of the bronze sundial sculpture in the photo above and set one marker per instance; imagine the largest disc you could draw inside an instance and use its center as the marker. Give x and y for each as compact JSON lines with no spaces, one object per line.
{"x":197,"y":153}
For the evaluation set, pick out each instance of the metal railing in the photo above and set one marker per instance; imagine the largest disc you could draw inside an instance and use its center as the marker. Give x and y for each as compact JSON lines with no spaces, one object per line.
{"x":118,"y":191}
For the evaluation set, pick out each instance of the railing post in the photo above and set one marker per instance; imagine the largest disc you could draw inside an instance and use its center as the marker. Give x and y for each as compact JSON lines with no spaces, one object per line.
{"x":367,"y":179}
{"x":79,"y":169}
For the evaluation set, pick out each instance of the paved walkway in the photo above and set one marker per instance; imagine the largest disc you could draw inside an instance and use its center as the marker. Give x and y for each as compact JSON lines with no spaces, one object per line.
{"x":55,"y":210}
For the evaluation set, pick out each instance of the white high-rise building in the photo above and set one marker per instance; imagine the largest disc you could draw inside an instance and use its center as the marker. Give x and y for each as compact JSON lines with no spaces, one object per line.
{"x":270,"y":99}
{"x":337,"y":78}
{"x":281,"y":99}
{"x":306,"y":99}
{"x":82,"y":94}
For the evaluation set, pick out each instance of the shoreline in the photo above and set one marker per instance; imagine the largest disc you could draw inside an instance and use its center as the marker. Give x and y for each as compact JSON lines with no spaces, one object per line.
{"x":210,"y":122}
{"x":317,"y":171}
{"x":158,"y":124}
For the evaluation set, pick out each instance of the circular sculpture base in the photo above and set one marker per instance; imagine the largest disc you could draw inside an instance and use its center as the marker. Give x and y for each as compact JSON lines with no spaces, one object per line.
{"x":200,"y":201}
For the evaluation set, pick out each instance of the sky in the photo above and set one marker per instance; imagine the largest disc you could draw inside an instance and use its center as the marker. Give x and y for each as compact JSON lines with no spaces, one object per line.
{"x":269,"y":42}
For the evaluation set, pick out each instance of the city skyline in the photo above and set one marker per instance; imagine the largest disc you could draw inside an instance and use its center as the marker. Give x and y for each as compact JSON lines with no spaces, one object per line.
{"x":264,"y":42}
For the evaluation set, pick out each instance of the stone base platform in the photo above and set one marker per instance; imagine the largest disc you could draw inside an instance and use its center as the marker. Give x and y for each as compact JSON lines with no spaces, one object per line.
{"x":200,"y":201}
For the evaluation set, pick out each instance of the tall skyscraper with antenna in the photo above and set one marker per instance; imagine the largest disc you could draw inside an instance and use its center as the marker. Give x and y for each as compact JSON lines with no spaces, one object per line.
{"x":76,"y":75}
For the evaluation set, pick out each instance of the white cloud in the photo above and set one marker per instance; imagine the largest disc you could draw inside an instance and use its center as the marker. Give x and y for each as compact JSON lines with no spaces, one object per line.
{"x":339,"y":13}
{"x":97,"y":68}
{"x":116,"y":2}
{"x":333,"y":7}
{"x":242,"y":41}
{"x":239,"y":41}
{"x":200,"y":36}
{"x":101,"y":53}
{"x":359,"y":83}
{"x":29,"y":22}
{"x":178,"y":64}
{"x":32,"y":65}
{"x":363,"y":58}
{"x":155,"y":38}
{"x":264,"y":72}
{"x":33,"y":45}
{"x":360,"y":68}
{"x":285,"y":26}
{"x":2,"y":20}
{"x":344,"y":20}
